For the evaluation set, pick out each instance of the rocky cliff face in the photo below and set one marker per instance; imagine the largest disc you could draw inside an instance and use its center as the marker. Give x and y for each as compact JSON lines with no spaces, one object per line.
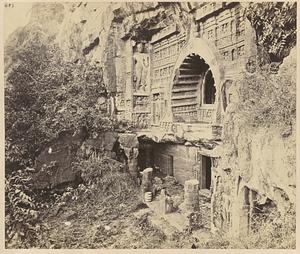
{"x":97,"y":31}
{"x":44,"y":23}
{"x":257,"y":165}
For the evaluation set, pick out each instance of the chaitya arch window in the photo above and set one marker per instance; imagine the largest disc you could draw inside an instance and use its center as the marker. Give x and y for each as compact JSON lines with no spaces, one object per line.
{"x":193,"y":86}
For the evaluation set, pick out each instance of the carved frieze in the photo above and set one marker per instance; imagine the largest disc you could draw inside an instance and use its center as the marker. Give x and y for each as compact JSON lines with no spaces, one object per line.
{"x":206,"y":9}
{"x":205,"y":115}
{"x":172,"y":29}
{"x":226,"y":30}
{"x":120,"y":115}
{"x":140,"y":103}
{"x":141,"y":120}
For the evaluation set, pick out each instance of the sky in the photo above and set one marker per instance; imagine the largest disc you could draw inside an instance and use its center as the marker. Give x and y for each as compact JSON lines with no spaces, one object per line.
{"x":15,"y":16}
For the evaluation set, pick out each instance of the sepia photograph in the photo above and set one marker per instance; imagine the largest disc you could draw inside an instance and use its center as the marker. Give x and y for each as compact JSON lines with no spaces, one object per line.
{"x":150,"y":125}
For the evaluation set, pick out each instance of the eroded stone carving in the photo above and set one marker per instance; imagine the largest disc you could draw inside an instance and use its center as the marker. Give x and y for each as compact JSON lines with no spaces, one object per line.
{"x":141,"y":71}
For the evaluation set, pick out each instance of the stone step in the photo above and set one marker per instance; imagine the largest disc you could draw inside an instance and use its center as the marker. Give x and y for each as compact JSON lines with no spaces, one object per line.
{"x":189,"y":71}
{"x":185,"y":68}
{"x":168,"y":223}
{"x":163,"y":225}
{"x":191,"y":60}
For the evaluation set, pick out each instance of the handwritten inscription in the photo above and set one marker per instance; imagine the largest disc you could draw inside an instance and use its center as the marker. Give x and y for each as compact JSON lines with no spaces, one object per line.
{"x":9,"y":5}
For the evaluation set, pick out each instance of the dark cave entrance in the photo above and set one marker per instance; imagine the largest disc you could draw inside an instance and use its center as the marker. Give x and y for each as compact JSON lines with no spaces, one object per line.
{"x":206,"y":172}
{"x":145,"y":156}
{"x":209,"y":88}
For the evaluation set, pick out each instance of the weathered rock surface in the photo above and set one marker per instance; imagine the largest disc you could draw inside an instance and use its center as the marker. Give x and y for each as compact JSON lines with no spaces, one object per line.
{"x":103,"y":144}
{"x":54,"y":164}
{"x":257,"y":164}
{"x":96,"y":31}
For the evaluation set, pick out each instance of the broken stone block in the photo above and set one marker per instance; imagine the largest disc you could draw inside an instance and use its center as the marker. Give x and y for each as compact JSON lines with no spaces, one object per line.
{"x":148,"y":196}
{"x":147,"y":181}
{"x":169,"y":205}
{"x":163,"y":201}
{"x":132,"y":163}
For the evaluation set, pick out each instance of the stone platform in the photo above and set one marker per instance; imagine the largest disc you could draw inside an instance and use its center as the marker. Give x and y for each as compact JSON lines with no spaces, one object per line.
{"x":175,"y":219}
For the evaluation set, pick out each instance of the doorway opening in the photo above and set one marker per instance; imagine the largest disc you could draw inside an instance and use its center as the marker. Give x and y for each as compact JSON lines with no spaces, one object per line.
{"x":165,"y":163}
{"x":209,"y":88}
{"x":206,"y":172}
{"x":145,"y":156}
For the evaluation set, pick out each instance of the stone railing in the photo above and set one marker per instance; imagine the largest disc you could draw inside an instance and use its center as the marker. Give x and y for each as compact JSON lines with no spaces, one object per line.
{"x":207,"y":9}
{"x":205,"y":113}
{"x":199,"y":129}
{"x":165,"y":32}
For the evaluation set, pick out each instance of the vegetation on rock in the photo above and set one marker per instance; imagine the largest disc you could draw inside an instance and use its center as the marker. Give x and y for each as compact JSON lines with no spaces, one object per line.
{"x":23,"y":226}
{"x":263,"y":103}
{"x":44,"y":95}
{"x":275,"y":26}
{"x":268,"y":99}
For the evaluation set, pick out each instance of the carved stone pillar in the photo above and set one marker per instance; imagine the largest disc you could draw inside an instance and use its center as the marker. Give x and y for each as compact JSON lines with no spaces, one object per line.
{"x":218,"y":107}
{"x":191,"y":195}
{"x":241,"y":212}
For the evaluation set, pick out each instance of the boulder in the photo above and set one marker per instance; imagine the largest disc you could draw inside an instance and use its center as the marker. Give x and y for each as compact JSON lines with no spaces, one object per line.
{"x":54,"y":162}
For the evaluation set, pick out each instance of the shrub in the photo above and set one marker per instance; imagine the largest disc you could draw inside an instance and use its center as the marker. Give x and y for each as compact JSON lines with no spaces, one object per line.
{"x":273,"y":230}
{"x":23,"y":229}
{"x":269,"y":230}
{"x":108,"y":176}
{"x":45,"y":95}
{"x":265,"y":100}
{"x":275,"y":26}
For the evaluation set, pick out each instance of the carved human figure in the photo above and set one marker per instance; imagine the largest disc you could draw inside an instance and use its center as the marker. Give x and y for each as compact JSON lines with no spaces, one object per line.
{"x":144,"y":74}
{"x":141,"y":66}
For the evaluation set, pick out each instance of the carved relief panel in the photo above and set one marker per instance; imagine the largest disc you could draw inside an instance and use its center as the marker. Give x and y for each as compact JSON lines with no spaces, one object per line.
{"x":164,"y":56}
{"x":226,"y":29}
